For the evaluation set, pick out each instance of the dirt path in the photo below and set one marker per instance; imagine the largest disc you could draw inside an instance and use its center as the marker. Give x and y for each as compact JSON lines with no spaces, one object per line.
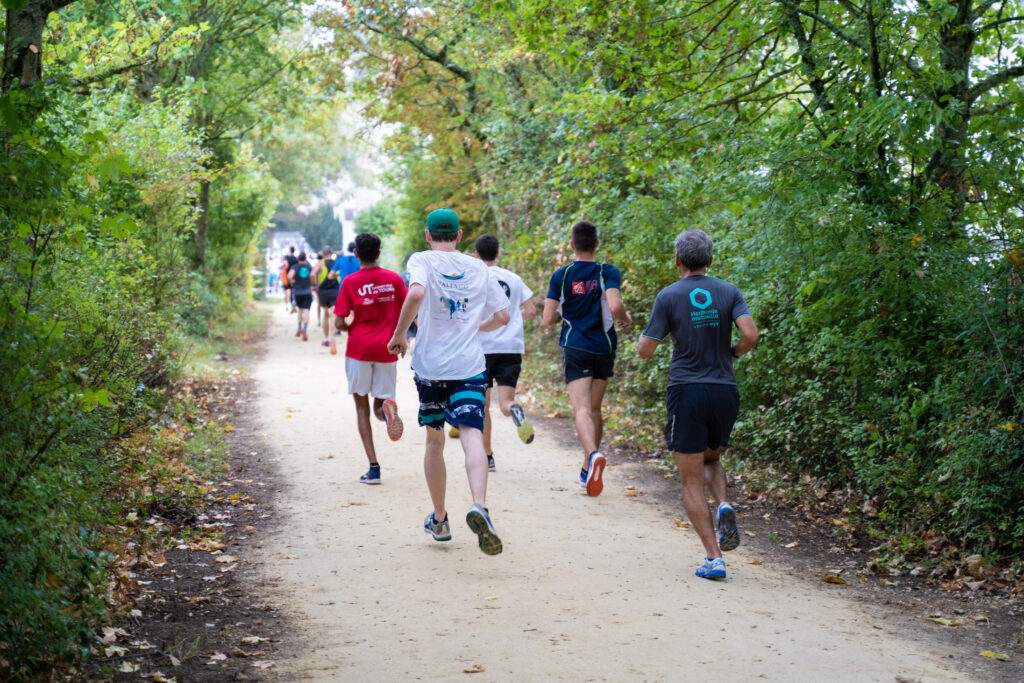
{"x":586,"y":589}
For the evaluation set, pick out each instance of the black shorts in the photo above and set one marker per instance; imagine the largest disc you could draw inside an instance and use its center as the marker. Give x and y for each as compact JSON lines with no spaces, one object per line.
{"x":327,"y":298}
{"x":304,"y":301}
{"x":700,"y":416}
{"x":503,"y":368}
{"x":577,"y":364}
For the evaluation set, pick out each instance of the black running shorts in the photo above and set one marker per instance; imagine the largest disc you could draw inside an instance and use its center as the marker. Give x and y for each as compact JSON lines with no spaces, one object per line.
{"x":577,"y":364}
{"x":503,"y":369}
{"x":700,"y":416}
{"x":327,"y":298}
{"x":304,"y":301}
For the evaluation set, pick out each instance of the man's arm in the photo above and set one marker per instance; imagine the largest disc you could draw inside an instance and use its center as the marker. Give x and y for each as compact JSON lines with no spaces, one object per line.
{"x":550,"y":315}
{"x":495,"y":320}
{"x":748,"y":336}
{"x":646,"y":346}
{"x":399,"y":344}
{"x":619,"y":313}
{"x":528,"y":309}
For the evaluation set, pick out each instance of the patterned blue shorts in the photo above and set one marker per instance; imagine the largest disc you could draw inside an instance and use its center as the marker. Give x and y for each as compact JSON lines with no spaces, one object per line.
{"x":457,"y":401}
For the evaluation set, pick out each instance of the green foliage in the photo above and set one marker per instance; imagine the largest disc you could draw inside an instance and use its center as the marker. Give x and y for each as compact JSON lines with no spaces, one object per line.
{"x":320,"y":227}
{"x":380,"y":219}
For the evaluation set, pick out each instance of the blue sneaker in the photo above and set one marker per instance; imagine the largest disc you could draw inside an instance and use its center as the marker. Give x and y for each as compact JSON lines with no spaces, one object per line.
{"x":480,"y":522}
{"x":712,"y":569}
{"x":594,"y":471}
{"x":371,"y":477}
{"x":725,"y":521}
{"x":583,"y":479}
{"x":441,"y":531}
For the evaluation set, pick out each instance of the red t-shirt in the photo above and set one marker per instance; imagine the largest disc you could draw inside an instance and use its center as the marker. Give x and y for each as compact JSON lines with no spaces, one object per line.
{"x":375,"y":296}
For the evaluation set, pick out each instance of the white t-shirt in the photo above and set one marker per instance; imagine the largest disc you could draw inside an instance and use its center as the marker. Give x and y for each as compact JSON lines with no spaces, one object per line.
{"x":508,"y":339}
{"x":461,"y":293}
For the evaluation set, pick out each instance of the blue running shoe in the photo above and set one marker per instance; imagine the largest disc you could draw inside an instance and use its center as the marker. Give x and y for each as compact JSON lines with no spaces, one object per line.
{"x":728,"y":534}
{"x":594,"y":472}
{"x":583,"y":479}
{"x":441,"y":531}
{"x":480,"y":522}
{"x":371,"y":477}
{"x":712,"y":569}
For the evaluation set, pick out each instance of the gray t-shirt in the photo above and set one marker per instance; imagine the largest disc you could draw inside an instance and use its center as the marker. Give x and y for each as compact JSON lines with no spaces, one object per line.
{"x":697,"y":311}
{"x":300,"y":278}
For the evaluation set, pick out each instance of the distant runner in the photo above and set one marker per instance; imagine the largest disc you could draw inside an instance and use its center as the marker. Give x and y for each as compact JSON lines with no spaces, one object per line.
{"x":301,"y":278}
{"x":288,"y":261}
{"x":585,"y":294}
{"x":347,"y":264}
{"x":703,"y":400}
{"x":327,"y":286}
{"x":459,"y":298}
{"x":504,"y":347}
{"x":373,"y":297}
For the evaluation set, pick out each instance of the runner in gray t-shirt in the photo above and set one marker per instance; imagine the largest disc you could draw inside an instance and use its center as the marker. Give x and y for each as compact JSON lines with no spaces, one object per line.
{"x":698,"y":312}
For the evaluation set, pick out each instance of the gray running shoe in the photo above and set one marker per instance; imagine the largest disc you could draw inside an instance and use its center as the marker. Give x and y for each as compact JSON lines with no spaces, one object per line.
{"x":490,"y":464}
{"x":523,"y":426}
{"x":725,"y":521}
{"x":480,"y":522}
{"x":441,"y":531}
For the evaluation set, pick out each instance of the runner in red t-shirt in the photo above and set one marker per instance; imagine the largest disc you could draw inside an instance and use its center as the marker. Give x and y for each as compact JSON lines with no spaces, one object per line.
{"x":368,"y":306}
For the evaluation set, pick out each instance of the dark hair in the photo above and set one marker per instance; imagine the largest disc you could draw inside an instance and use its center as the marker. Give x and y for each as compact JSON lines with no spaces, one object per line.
{"x":291,"y":250}
{"x":367,"y":247}
{"x":584,"y":236}
{"x":447,"y":236}
{"x":302,"y":256}
{"x":487,"y":247}
{"x":352,"y":247}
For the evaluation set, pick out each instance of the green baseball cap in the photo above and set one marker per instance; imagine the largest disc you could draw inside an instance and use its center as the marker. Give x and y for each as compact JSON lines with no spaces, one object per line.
{"x":443,"y":220}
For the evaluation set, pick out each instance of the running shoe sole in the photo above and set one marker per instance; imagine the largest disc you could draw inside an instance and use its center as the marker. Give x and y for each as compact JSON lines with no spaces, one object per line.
{"x":525,"y":431}
{"x":366,"y":480}
{"x":728,"y":534}
{"x":395,"y":426}
{"x":594,"y":483}
{"x":709,"y":571}
{"x":489,"y":541}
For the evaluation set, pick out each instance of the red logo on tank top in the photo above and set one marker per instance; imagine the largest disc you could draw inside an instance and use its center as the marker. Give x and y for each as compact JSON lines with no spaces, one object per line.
{"x":577,"y":287}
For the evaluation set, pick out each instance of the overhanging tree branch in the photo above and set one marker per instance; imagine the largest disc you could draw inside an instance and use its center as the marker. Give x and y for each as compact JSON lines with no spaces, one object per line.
{"x":994,"y":81}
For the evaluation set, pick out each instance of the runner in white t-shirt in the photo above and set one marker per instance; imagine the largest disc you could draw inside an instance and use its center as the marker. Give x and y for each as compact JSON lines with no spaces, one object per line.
{"x":504,"y":347}
{"x":455,"y":297}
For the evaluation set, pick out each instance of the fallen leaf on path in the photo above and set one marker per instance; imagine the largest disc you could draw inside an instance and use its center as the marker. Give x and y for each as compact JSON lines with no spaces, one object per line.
{"x":288,"y":416}
{"x":750,"y":533}
{"x":491,"y":597}
{"x":762,"y":613}
{"x":828,"y":578}
{"x":475,"y":669}
{"x":201,"y":600}
{"x":174,"y":660}
{"x":681,"y":524}
{"x":114,"y":651}
{"x":631,"y":493}
{"x":217,"y":657}
{"x":253,"y":640}
{"x":980,"y":618}
{"x":350,"y":504}
{"x":263,"y":664}
{"x":754,"y":562}
{"x":792,"y":545}
{"x":128,"y":668}
{"x":228,"y":427}
{"x":238,"y":652}
{"x":225,"y":559}
{"x":669,"y":475}
{"x":631,"y":477}
{"x":766,"y":515}
{"x":887,"y":582}
{"x":992,"y":655}
{"x":289,"y":557}
{"x":111,"y":634}
{"x":943,"y":621}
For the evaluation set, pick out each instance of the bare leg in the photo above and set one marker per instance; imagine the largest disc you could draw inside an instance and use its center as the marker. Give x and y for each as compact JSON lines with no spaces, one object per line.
{"x":714,"y":474}
{"x":435,"y":471}
{"x":365,"y":431}
{"x":596,"y":397}
{"x":582,"y":408}
{"x":378,"y":404}
{"x":506,"y":397}
{"x":476,"y":462}
{"x":487,"y":423}
{"x":692,"y":475}
{"x":328,"y":318}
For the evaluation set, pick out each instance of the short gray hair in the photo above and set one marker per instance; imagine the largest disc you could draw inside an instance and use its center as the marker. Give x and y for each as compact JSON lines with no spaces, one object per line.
{"x":693,"y":247}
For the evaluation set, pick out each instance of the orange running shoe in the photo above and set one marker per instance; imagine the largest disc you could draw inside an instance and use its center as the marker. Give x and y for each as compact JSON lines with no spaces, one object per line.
{"x":394,"y":423}
{"x":594,"y":472}
{"x":334,"y":346}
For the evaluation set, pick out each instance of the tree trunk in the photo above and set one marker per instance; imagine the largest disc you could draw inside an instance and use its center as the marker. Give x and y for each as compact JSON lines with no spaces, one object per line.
{"x":202,"y":222}
{"x":23,"y":44}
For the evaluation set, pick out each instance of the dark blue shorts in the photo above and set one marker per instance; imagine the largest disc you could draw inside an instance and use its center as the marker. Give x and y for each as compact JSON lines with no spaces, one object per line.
{"x":700,"y":416}
{"x":457,"y":401}
{"x":577,"y":364}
